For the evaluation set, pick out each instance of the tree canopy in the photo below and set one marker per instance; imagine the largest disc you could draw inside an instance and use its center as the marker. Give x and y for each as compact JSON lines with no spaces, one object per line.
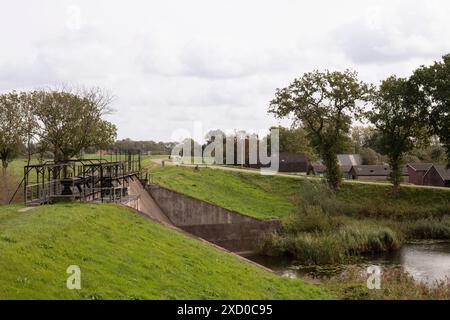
{"x":64,"y":122}
{"x":70,"y":122}
{"x":398,"y":115}
{"x":434,"y":82}
{"x":12,"y":127}
{"x":324,"y":103}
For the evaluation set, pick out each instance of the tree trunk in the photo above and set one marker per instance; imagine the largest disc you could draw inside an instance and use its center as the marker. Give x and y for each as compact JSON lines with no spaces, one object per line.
{"x":395,"y":175}
{"x":334,"y":174}
{"x":29,"y":154}
{"x":4,"y":167}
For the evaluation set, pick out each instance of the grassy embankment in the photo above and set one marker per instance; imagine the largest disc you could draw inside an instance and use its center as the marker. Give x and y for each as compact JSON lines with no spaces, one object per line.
{"x":320,"y":227}
{"x":272,"y":197}
{"x":123,"y":256}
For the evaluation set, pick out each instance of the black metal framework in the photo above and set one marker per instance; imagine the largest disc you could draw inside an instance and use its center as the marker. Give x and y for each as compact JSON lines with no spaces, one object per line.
{"x":99,"y":180}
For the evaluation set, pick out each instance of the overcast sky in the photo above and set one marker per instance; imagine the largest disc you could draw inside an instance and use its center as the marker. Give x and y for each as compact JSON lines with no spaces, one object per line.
{"x":169,"y":63}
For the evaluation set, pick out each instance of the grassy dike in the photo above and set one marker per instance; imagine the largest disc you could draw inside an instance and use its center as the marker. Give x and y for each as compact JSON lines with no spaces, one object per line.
{"x":123,"y":256}
{"x":321,"y":227}
{"x":272,"y":197}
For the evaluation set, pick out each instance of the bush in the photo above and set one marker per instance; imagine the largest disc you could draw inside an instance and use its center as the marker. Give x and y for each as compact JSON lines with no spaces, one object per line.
{"x":396,"y":283}
{"x":429,"y":229}
{"x":311,"y":219}
{"x":329,"y":247}
{"x":359,"y":240}
{"x":319,"y":194}
{"x":326,"y":230}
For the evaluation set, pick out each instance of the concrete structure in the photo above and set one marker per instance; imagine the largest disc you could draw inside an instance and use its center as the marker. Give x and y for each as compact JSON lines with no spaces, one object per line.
{"x":417,"y":171}
{"x":225,"y":228}
{"x":374,"y":173}
{"x":438,"y":175}
{"x":145,"y":204}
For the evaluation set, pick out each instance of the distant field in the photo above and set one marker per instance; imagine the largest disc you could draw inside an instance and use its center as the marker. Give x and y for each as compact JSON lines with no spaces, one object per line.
{"x":269,"y":197}
{"x":16,"y":166}
{"x":123,"y":256}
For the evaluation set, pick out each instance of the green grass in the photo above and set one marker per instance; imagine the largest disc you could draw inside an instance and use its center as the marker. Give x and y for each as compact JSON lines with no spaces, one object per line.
{"x":268,"y":197}
{"x":323,"y":232}
{"x":253,"y":195}
{"x":15,"y":168}
{"x":123,"y":256}
{"x":396,"y":284}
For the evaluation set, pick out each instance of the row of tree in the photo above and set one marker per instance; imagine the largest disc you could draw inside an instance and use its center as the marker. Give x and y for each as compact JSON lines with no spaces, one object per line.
{"x":149,"y":146}
{"x":365,"y":140}
{"x":63,"y":122}
{"x":406,"y":112}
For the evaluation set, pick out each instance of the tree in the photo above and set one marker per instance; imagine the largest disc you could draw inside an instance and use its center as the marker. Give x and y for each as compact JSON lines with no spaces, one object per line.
{"x":30,"y":125}
{"x":295,"y":140}
{"x":324,"y":103}
{"x":369,"y":156}
{"x":360,"y":137}
{"x":12,"y":131}
{"x":398,"y":116}
{"x":434,"y":81}
{"x":72,"y":121}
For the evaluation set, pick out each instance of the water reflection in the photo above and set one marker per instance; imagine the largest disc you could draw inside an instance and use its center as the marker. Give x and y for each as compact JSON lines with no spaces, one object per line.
{"x":425,"y":262}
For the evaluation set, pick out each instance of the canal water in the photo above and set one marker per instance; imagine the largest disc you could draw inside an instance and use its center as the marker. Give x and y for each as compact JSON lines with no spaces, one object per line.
{"x":425,"y":262}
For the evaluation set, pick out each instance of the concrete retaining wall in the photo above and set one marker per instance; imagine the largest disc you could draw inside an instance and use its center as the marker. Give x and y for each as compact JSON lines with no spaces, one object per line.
{"x":225,"y":228}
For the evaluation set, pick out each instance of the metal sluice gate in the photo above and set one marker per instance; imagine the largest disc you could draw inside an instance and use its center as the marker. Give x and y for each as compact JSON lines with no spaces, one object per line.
{"x":91,"y":180}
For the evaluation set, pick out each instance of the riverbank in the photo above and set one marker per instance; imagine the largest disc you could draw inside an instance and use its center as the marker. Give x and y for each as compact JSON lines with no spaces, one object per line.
{"x":326,"y":230}
{"x":419,"y":270}
{"x":319,"y":226}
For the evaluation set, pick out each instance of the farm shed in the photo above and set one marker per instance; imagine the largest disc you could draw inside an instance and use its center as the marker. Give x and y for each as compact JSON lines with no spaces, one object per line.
{"x":417,"y":171}
{"x":374,"y":172}
{"x":438,"y":175}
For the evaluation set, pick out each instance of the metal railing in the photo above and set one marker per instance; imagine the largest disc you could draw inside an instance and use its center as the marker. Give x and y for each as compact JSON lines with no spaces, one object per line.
{"x":52,"y":191}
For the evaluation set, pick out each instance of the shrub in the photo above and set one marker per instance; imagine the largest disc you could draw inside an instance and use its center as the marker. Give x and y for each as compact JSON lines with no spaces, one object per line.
{"x":328,"y":230}
{"x":312,"y":218}
{"x":330,"y":247}
{"x":429,"y":229}
{"x":396,"y":283}
{"x":359,"y":240}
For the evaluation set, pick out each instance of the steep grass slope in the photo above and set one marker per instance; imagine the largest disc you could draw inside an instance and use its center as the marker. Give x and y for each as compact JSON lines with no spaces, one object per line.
{"x":123,"y":256}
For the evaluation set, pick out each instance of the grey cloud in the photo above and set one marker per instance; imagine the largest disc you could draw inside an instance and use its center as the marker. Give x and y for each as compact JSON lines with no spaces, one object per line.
{"x":398,"y":33}
{"x":365,"y":45}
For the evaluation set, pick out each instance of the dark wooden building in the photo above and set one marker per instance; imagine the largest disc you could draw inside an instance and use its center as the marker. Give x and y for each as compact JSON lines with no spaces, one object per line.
{"x":289,"y":162}
{"x":438,"y":175}
{"x":317,"y":169}
{"x":374,"y":172}
{"x":417,"y":171}
{"x":347,"y":161}
{"x":293,"y":162}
